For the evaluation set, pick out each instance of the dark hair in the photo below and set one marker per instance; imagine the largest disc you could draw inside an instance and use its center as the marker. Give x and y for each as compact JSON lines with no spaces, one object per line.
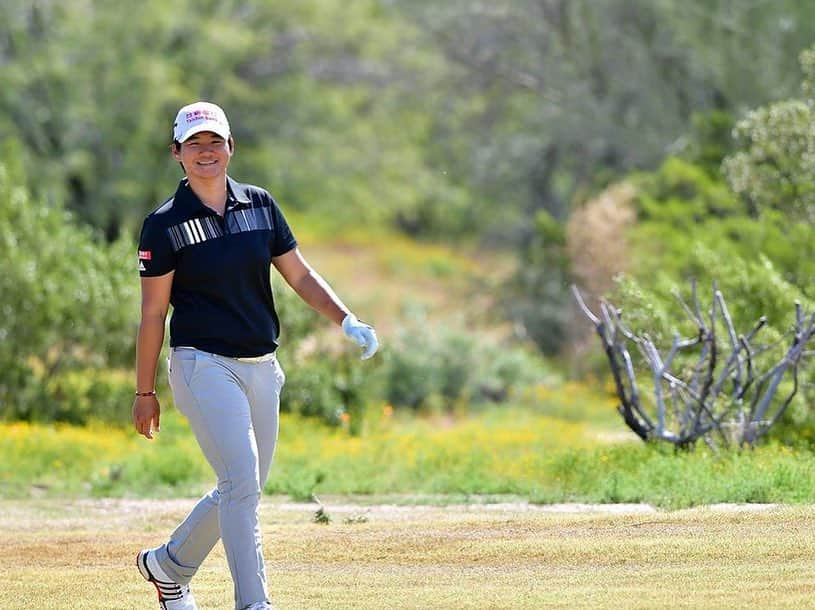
{"x":176,"y":145}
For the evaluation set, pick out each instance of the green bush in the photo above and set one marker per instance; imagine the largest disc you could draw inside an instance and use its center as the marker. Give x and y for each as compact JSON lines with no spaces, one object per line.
{"x":324,"y":378}
{"x":773,"y":168}
{"x":684,"y":195}
{"x":711,"y":140}
{"x":690,"y":225}
{"x":434,"y":366}
{"x":68,"y":303}
{"x":331,"y":384}
{"x":81,"y":395}
{"x":425,"y":366}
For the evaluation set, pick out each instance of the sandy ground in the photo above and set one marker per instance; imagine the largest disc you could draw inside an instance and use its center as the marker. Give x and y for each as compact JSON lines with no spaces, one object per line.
{"x":404,"y":552}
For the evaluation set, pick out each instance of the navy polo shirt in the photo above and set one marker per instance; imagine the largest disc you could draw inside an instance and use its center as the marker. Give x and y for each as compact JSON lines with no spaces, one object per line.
{"x":222,"y":292}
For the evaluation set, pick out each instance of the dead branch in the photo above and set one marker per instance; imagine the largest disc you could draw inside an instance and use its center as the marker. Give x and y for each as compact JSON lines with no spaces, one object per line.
{"x":702,"y":385}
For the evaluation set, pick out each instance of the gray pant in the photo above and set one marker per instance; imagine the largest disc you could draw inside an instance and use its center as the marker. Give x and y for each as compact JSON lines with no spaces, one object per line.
{"x":232,"y":407}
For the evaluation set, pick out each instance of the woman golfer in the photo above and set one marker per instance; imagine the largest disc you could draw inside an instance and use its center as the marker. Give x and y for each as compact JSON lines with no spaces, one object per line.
{"x":207,"y":250}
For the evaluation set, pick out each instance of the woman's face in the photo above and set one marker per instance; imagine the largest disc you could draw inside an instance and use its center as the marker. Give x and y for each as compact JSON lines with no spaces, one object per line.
{"x":204,"y":155}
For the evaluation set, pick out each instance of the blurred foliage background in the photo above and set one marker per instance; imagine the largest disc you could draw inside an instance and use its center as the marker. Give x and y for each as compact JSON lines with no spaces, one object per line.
{"x":517,"y":145}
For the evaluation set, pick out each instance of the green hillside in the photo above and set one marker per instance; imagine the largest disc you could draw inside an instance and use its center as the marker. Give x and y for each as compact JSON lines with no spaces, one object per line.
{"x":452,"y":168}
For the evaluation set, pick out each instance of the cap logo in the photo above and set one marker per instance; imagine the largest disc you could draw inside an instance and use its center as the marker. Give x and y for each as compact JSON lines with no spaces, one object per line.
{"x":202,"y":115}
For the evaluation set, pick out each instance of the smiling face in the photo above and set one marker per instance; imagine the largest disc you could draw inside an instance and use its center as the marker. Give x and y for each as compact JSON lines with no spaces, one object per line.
{"x":205,"y":156}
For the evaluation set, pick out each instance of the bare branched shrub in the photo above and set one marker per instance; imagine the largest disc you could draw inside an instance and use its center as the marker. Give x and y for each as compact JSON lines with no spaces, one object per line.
{"x":718,"y":385}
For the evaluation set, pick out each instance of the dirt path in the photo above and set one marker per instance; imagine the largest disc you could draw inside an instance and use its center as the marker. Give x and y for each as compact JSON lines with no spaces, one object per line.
{"x":118,"y":513}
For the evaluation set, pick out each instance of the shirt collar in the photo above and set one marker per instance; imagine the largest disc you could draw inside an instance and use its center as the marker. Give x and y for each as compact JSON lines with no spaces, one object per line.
{"x":236,"y":193}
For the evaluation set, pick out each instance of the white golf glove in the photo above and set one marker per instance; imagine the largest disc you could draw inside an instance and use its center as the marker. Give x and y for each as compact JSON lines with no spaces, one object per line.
{"x":362,"y":333}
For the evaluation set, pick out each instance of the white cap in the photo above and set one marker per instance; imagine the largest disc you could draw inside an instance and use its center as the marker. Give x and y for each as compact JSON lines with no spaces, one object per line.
{"x":197,"y":117}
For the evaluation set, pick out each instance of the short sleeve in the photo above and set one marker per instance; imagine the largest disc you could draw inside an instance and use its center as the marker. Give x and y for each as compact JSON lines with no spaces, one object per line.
{"x":156,"y":254}
{"x":283,"y":239}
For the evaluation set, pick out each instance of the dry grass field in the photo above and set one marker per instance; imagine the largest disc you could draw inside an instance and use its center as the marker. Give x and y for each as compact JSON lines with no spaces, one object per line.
{"x":79,"y":555}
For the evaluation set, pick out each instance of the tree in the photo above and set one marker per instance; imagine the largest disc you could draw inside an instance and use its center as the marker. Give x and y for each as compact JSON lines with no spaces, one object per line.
{"x":322,"y":97}
{"x":555,"y":97}
{"x":533,"y":298}
{"x":774,"y":166}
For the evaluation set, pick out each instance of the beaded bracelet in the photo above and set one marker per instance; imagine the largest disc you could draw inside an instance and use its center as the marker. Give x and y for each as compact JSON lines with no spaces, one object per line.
{"x":150,"y":393}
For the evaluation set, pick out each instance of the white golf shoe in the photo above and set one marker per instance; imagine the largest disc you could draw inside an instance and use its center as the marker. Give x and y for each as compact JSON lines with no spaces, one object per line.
{"x":171,"y":595}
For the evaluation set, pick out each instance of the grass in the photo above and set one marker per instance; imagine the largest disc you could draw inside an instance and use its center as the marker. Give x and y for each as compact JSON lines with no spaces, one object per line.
{"x":547,"y":455}
{"x":72,"y":555}
{"x":498,"y":451}
{"x":662,"y":477}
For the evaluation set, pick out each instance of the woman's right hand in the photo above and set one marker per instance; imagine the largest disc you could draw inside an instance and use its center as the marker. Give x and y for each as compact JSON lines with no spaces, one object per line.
{"x":146,"y":412}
